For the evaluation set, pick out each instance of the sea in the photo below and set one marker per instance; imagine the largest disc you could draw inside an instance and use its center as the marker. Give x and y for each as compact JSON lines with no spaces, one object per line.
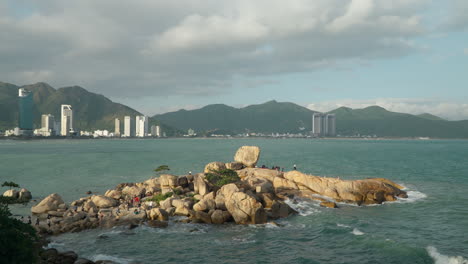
{"x":430,"y":226}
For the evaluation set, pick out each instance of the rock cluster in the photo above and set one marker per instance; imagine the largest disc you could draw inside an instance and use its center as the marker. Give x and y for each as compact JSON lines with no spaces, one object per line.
{"x":256,"y":198}
{"x":21,"y":196}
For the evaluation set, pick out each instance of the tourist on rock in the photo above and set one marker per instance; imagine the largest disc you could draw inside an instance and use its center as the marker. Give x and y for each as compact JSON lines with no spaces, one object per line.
{"x":37,"y":221}
{"x":29,"y":220}
{"x":294,"y":167}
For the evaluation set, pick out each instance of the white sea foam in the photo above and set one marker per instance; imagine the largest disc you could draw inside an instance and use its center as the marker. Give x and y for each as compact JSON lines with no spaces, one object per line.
{"x":443,"y":259}
{"x":303,"y":207}
{"x":357,"y":232}
{"x":55,"y":245}
{"x":413,"y":196}
{"x":111,"y":258}
{"x":341,"y":225}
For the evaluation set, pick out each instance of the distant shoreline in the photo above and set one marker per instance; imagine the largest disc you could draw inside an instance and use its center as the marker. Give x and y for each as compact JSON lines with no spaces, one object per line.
{"x":223,"y":138}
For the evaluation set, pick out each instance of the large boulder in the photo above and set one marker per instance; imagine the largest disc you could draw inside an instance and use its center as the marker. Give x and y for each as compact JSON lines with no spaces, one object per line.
{"x":368,"y":191}
{"x":219,"y":217}
{"x":268,"y":174}
{"x":280,"y":209}
{"x":205,"y":204}
{"x":24,"y":195}
{"x":132,"y":191}
{"x":50,"y":203}
{"x":102,"y":201}
{"x":200,"y":185}
{"x":234,"y":165}
{"x":281,"y":184}
{"x":259,"y":185}
{"x":248,"y":155}
{"x":114,"y":194}
{"x":244,"y":209}
{"x":214,"y":166}
{"x":168,"y":180}
{"x":11,"y":193}
{"x":158,"y":214}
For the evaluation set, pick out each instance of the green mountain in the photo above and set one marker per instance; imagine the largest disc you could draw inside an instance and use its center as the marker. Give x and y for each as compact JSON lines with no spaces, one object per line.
{"x":288,"y":117}
{"x":90,"y":111}
{"x":268,"y":117}
{"x":430,"y":117}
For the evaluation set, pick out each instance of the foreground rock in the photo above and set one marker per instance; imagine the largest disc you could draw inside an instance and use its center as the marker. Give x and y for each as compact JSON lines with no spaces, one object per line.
{"x":22,"y":196}
{"x":254,"y":196}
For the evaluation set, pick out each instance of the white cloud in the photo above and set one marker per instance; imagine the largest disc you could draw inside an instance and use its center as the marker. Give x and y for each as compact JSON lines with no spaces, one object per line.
{"x":446,"y":109}
{"x":195,"y":48}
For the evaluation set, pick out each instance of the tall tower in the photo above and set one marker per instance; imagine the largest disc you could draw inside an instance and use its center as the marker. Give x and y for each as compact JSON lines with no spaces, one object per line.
{"x":331,"y":124}
{"x":129,"y":129}
{"x":141,"y":126}
{"x":117,"y":127}
{"x":47,"y":122}
{"x":66,"y":117}
{"x":317,"y":124}
{"x":25,"y":110}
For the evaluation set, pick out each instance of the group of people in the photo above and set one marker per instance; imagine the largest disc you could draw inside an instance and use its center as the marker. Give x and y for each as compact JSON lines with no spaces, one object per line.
{"x":278,"y":168}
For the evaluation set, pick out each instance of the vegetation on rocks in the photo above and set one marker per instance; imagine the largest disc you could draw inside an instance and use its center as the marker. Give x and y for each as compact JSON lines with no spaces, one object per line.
{"x":159,"y":197}
{"x":17,"y":239}
{"x":222,"y":177}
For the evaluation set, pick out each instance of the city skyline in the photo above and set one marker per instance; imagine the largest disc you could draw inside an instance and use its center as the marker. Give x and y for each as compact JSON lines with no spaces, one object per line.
{"x":406,"y":56}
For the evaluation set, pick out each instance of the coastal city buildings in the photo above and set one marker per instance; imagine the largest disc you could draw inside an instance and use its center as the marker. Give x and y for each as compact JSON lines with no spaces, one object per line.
{"x":323,"y":125}
{"x":129,"y":130}
{"x":141,"y":128}
{"x":66,"y":117}
{"x":25,"y":101}
{"x":117,"y":128}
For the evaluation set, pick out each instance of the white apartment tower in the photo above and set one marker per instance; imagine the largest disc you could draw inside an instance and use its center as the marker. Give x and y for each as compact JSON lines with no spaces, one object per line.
{"x":129,"y":130}
{"x":117,"y":128}
{"x":48,"y":123}
{"x":141,"y":126}
{"x":156,"y":131}
{"x":66,"y":120}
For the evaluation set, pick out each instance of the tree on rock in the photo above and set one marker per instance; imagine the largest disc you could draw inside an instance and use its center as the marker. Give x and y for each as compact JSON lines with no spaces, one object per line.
{"x":162,"y":168}
{"x":10,"y":184}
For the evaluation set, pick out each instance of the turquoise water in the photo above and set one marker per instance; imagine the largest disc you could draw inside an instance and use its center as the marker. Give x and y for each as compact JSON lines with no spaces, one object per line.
{"x":431,"y":226}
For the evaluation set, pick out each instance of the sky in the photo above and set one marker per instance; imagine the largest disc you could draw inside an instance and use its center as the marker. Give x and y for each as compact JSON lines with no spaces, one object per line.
{"x":157,"y":56}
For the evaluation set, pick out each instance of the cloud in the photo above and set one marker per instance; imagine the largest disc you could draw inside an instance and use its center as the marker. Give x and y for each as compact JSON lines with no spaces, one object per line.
{"x":465,"y":51}
{"x":446,"y":109}
{"x":193,"y":48}
{"x":457,"y":18}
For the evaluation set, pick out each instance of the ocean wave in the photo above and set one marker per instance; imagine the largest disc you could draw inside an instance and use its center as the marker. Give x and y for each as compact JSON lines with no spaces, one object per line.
{"x":357,"y":232}
{"x":111,"y":258}
{"x":443,"y":259}
{"x":341,"y":225}
{"x":304,"y":208}
{"x":413,"y":196}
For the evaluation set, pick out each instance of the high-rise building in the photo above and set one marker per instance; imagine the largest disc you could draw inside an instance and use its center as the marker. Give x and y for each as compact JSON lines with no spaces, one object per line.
{"x":323,"y":124}
{"x":156,"y":131}
{"x":117,"y":128}
{"x":317,"y":125}
{"x":66,"y":122}
{"x":129,"y":129}
{"x":141,"y":126}
{"x":48,"y":123}
{"x":25,"y":110}
{"x":331,"y":124}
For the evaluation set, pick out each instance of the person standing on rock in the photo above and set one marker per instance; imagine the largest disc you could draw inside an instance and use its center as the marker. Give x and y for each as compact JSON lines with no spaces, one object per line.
{"x":295,"y":167}
{"x":48,"y":222}
{"x":29,"y":220}
{"x":37,"y":221}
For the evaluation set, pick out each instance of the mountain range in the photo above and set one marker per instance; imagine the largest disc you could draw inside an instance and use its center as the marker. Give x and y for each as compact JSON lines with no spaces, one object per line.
{"x":94,"y":111}
{"x":273,"y":116}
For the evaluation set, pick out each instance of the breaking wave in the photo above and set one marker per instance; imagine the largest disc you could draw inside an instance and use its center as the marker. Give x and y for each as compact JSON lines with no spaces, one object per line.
{"x":443,"y":259}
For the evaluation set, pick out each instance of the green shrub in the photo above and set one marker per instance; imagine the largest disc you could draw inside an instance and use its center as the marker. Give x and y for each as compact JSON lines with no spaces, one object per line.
{"x":17,"y":239}
{"x":222,"y":177}
{"x":159,"y":197}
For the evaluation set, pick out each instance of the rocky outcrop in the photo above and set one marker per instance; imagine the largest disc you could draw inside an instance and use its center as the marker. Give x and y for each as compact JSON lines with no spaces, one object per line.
{"x":248,"y":156}
{"x":11,"y":193}
{"x":24,"y":195}
{"x":368,"y":191}
{"x":50,"y":203}
{"x":201,"y":185}
{"x":114,"y":194}
{"x":234,"y":165}
{"x":103,"y":201}
{"x":268,"y":174}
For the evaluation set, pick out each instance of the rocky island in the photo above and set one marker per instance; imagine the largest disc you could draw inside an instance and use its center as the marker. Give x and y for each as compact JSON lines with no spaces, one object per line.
{"x":225,"y":192}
